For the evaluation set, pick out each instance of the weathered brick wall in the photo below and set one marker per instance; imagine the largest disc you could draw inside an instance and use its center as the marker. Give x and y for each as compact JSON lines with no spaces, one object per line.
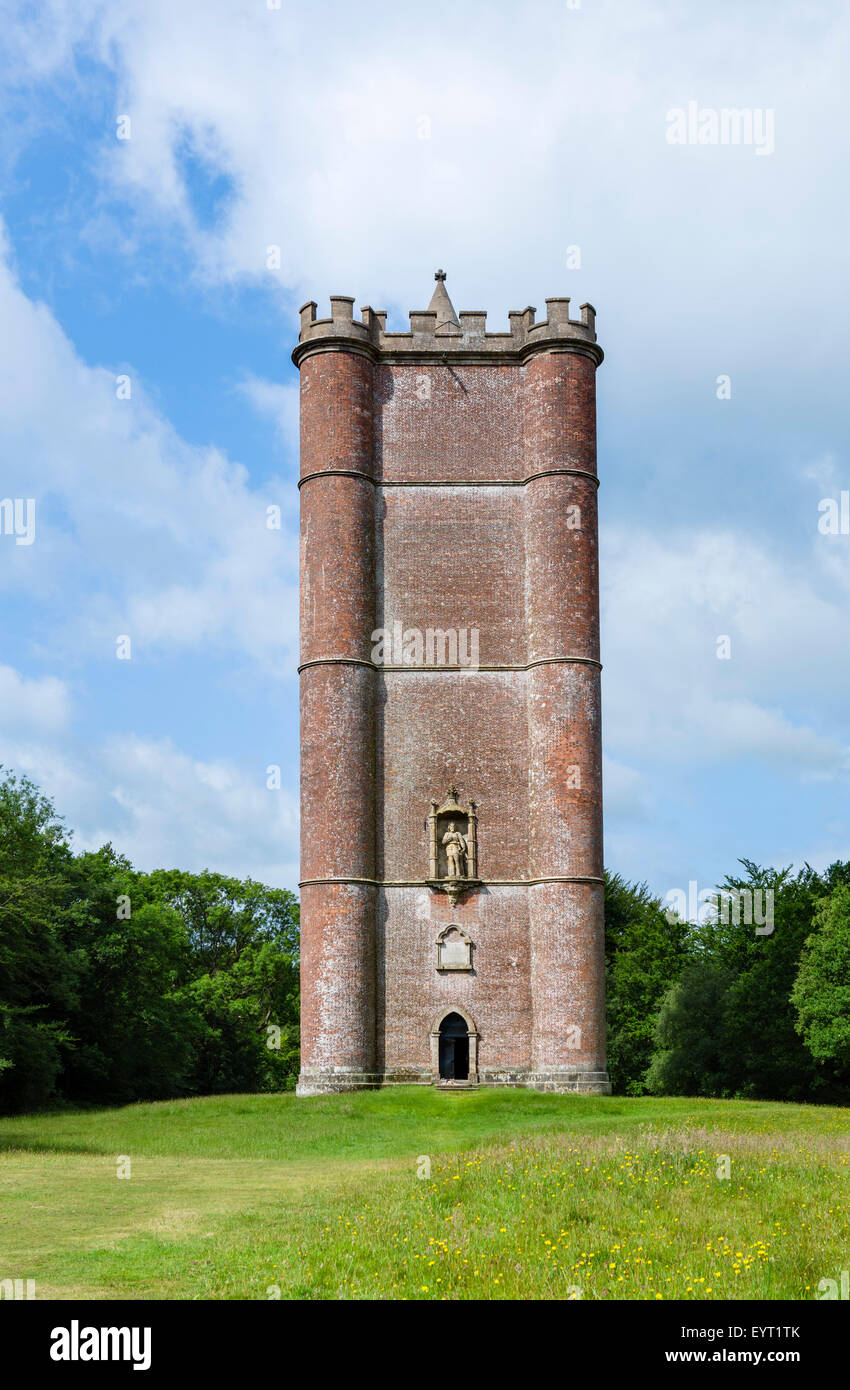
{"x":430,"y":727}
{"x":411,"y":992}
{"x":453,"y":557}
{"x":517,"y":560}
{"x":435,"y":545}
{"x":449,"y":422}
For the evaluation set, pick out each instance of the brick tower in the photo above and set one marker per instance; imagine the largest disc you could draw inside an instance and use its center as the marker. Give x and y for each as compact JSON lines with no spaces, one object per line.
{"x":451,"y":851}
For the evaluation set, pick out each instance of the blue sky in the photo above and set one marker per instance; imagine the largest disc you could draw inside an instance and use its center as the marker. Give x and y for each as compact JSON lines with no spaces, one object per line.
{"x":370,"y":146}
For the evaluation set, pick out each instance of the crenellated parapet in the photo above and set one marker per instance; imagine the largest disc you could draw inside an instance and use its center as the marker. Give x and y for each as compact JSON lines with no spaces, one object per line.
{"x":437,"y":332}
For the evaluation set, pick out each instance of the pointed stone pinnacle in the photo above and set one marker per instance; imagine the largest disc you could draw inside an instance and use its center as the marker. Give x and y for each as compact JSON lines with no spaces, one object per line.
{"x":442,"y":305}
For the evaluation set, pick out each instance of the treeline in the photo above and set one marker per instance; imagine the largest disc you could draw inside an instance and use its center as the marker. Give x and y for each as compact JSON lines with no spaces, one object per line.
{"x":731,"y":1008}
{"x":118,"y":986}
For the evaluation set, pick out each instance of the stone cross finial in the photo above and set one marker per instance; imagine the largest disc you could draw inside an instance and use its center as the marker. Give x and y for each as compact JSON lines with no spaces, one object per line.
{"x":439,"y":275}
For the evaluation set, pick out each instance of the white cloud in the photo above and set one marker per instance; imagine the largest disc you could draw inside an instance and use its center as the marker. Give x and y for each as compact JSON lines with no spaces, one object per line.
{"x":276,"y":401}
{"x":41,"y":705}
{"x":164,"y":809}
{"x":544,"y":127}
{"x":217,"y":814}
{"x":156,"y":538}
{"x":667,"y":599}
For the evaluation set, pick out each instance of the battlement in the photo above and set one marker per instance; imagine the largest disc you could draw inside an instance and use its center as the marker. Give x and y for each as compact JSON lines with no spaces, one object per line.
{"x":437,"y":332}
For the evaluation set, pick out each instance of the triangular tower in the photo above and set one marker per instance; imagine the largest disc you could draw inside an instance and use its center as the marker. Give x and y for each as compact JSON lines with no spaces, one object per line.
{"x":452,"y":925}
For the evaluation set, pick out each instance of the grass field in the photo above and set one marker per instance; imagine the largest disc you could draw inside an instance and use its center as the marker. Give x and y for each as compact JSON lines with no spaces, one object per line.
{"x":529,"y":1196}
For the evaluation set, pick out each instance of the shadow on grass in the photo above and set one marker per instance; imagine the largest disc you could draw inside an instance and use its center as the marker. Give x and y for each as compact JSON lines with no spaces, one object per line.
{"x":20,"y":1143}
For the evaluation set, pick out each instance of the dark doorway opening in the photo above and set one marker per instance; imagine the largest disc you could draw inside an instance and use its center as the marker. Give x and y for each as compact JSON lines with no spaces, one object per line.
{"x":454,"y":1049}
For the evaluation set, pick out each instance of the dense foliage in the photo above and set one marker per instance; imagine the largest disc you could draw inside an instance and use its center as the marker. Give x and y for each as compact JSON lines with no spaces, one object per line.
{"x":117,"y":985}
{"x":644,"y":954}
{"x":733,"y":1005}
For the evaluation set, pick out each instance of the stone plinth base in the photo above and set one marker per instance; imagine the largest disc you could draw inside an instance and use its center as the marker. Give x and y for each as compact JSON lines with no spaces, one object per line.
{"x":324,"y":1083}
{"x":589,"y":1083}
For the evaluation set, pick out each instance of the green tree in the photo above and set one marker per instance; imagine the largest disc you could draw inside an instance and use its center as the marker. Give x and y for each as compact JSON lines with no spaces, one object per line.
{"x":37,"y":976}
{"x":644,"y":953}
{"x":770,"y":1059}
{"x":184,"y":977}
{"x":694,"y":1042}
{"x":243,"y":944}
{"x":137,"y":1030}
{"x":117,"y":985}
{"x":821,"y":993}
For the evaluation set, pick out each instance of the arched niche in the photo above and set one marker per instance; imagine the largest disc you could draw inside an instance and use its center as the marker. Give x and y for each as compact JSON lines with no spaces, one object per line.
{"x":453,"y":845}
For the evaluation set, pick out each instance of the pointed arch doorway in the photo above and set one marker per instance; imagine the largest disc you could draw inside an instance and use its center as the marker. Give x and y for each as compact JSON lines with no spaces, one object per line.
{"x":454,"y":1048}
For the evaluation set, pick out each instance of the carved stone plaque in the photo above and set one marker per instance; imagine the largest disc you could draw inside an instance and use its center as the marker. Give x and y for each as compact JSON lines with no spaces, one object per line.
{"x":454,"y":949}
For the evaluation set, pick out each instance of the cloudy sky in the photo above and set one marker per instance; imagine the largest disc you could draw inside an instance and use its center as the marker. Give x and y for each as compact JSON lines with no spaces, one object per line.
{"x":153,"y":153}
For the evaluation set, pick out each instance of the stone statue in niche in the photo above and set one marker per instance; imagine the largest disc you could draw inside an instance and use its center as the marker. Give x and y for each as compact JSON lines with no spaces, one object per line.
{"x":453,"y":846}
{"x":456,"y":847}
